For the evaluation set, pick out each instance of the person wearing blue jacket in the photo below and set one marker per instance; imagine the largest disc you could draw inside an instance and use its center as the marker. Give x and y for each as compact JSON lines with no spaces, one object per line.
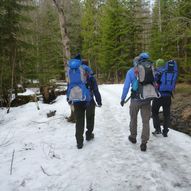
{"x":137,"y":104}
{"x":86,"y":110}
{"x":164,"y":101}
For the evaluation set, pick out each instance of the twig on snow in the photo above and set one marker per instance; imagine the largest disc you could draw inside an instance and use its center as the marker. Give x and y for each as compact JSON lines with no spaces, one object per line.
{"x":5,"y":144}
{"x":47,"y":121}
{"x":11,"y":168}
{"x":44,"y":171}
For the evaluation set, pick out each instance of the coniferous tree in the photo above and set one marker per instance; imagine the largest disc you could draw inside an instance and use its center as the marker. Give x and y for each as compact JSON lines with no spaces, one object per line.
{"x":49,"y":59}
{"x":111,"y":39}
{"x":90,"y":31}
{"x":11,"y":31}
{"x":184,"y":39}
{"x":170,"y":35}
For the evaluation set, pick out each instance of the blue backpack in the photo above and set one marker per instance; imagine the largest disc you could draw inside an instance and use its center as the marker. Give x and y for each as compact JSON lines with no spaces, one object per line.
{"x":77,"y":76}
{"x":168,"y":77}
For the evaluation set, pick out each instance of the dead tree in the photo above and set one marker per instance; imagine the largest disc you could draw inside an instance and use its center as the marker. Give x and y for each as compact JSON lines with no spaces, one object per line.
{"x":65,"y":38}
{"x":64,"y":32}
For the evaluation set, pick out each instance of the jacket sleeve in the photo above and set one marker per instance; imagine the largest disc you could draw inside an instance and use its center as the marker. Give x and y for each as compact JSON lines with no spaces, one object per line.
{"x":158,"y":74}
{"x":87,"y":69}
{"x":94,"y":88}
{"x":127,"y":84}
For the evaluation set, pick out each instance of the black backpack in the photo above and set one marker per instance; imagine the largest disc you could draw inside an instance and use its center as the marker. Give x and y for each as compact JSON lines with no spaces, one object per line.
{"x":145,"y":72}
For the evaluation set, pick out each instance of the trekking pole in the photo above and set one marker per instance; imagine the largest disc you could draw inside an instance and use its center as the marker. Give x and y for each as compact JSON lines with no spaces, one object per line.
{"x":127,"y":99}
{"x":36,"y":101}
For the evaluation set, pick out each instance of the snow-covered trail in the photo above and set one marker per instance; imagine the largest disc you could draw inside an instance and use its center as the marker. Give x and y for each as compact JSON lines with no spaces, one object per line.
{"x":108,"y":163}
{"x":165,"y":165}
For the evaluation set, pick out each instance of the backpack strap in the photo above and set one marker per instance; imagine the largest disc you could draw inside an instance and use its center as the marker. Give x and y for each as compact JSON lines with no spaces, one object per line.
{"x":165,"y":78}
{"x":172,"y":78}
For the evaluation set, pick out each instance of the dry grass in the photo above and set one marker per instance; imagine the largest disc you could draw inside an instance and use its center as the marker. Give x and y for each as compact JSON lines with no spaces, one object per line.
{"x":186,"y":114}
{"x":183,"y":88}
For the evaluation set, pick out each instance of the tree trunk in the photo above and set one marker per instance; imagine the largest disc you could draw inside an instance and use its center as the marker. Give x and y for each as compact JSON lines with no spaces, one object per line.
{"x":64,"y":33}
{"x":116,"y":76}
{"x":160,"y":20}
{"x":12,"y":63}
{"x":1,"y":77}
{"x":65,"y":40}
{"x":159,"y":14}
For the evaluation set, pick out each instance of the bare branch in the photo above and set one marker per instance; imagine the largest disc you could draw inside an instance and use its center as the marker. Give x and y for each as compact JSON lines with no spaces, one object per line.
{"x":44,"y":171}
{"x":11,"y":168}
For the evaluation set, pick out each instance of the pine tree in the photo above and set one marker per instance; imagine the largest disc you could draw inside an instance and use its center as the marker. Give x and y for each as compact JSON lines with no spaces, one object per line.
{"x":184,"y":39}
{"x":49,"y":62}
{"x":170,"y":37}
{"x":163,"y":36}
{"x":90,"y":31}
{"x":11,"y":29}
{"x":123,"y":35}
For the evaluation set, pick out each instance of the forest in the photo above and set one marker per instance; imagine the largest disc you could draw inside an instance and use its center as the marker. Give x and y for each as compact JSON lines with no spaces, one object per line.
{"x":38,"y":37}
{"x":55,"y":140}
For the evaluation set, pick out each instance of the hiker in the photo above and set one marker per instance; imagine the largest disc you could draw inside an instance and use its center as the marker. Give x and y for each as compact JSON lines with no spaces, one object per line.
{"x":136,"y":102}
{"x":85,"y":108}
{"x":87,"y":70}
{"x":166,"y":76}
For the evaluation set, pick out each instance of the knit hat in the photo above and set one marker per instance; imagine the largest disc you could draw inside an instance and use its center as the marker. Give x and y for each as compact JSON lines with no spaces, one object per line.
{"x":78,"y":57}
{"x":160,"y":63}
{"x":144,"y":55}
{"x":85,"y":61}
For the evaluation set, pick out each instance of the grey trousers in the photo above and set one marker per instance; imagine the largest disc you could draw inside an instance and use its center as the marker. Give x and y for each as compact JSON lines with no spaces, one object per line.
{"x":145,"y":109}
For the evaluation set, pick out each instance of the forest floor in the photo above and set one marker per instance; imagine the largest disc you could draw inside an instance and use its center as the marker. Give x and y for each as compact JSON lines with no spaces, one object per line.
{"x":181,"y":109}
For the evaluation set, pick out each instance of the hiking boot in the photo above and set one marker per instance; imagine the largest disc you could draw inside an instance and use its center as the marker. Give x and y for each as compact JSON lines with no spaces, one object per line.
{"x":79,"y":145}
{"x":165,"y":134}
{"x":71,"y":119}
{"x":143,"y":146}
{"x":132,"y":140}
{"x":89,"y":136}
{"x":156,"y":132}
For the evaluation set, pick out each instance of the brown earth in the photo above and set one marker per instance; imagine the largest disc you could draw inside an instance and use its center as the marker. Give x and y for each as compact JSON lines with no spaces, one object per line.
{"x":181,"y":109}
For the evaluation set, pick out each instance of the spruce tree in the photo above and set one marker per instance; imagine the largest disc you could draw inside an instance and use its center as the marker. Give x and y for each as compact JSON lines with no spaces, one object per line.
{"x":11,"y":31}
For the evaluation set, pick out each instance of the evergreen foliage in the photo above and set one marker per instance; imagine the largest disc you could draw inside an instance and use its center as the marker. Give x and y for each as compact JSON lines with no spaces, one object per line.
{"x":172,"y":40}
{"x":109,"y":33}
{"x":48,"y":62}
{"x":12,"y":43}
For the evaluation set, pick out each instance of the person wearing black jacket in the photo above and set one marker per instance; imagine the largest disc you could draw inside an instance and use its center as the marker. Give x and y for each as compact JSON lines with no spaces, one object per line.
{"x":86,"y":110}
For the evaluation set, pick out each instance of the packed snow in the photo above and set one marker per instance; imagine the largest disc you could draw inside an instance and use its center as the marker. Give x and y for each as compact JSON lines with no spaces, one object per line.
{"x":45,"y":157}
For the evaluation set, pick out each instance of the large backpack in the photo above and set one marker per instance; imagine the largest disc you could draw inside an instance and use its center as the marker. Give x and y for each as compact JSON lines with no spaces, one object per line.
{"x":145,"y":72}
{"x":145,"y":81}
{"x":168,"y":77}
{"x":77,"y":78}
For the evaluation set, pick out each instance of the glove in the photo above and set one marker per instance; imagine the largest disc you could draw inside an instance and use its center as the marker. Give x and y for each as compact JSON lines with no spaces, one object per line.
{"x":99,"y":105}
{"x":69,"y":102}
{"x":156,"y":85}
{"x":122,"y":103}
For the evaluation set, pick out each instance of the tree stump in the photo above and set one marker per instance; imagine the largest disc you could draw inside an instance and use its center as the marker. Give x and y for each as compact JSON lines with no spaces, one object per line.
{"x":48,"y":93}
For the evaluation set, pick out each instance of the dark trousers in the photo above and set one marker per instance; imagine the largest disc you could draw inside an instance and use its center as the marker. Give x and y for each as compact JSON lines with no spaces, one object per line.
{"x":165,"y":103}
{"x":83,"y":111}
